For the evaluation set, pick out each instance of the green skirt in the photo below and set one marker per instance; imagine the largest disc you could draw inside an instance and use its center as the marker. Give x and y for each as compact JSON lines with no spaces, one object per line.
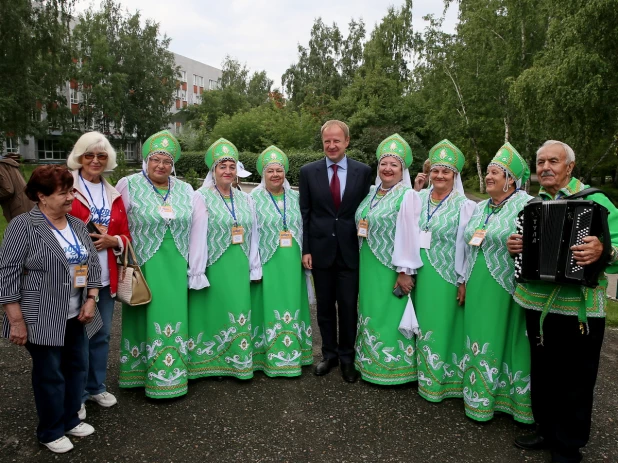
{"x":220,"y":320}
{"x":383,"y":354}
{"x":497,"y":353}
{"x":153,"y":352}
{"x":280,"y":314}
{"x":440,"y":345}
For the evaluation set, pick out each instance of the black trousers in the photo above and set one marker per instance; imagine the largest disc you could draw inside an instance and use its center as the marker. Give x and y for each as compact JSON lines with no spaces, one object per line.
{"x":336,"y":291}
{"x":58,"y":380}
{"x":563,"y":375}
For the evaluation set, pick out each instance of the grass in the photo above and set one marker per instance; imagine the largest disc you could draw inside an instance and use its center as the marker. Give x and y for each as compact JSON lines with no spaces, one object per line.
{"x":612,"y":313}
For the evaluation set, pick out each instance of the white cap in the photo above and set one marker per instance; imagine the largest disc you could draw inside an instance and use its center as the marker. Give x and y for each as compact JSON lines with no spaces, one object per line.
{"x":240,"y":170}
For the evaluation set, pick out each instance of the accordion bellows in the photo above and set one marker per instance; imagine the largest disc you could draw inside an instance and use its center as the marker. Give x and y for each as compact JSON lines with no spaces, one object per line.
{"x":550,"y":229}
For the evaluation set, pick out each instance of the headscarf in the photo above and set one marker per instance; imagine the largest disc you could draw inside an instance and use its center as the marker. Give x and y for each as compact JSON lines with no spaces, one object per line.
{"x":272,"y":155}
{"x":161,"y":143}
{"x":221,"y":150}
{"x":446,"y":154}
{"x":397,"y":147}
{"x":512,"y":163}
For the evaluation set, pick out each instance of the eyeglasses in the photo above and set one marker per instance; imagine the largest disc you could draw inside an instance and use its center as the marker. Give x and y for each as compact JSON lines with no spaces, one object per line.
{"x":165,"y":162}
{"x":91,"y":156}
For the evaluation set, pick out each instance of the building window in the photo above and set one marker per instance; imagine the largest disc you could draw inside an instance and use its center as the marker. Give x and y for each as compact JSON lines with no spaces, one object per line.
{"x":50,"y":150}
{"x":212,"y":84}
{"x":195,"y":77}
{"x":129,"y":153}
{"x":183,"y":76}
{"x":183,"y":95}
{"x":178,"y":127}
{"x":75,"y":122}
{"x":12,"y":145}
{"x":74,"y":96}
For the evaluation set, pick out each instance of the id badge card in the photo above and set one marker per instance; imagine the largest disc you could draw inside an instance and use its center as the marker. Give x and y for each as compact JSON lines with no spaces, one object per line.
{"x":425,"y":239}
{"x":285,"y":239}
{"x":363,"y":228}
{"x":167,"y":212}
{"x":238,"y":235}
{"x":81,"y":276}
{"x":102,"y":228}
{"x":478,"y":237}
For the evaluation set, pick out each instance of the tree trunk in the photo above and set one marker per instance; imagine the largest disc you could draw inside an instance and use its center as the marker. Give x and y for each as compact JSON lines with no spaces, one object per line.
{"x":600,"y":160}
{"x":506,"y":129}
{"x":479,"y":169}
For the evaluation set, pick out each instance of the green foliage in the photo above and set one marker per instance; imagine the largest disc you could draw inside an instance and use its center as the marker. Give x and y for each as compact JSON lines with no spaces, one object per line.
{"x":121,"y":169}
{"x":267,"y":125}
{"x":36,"y":58}
{"x":192,"y":178}
{"x":124,"y":71}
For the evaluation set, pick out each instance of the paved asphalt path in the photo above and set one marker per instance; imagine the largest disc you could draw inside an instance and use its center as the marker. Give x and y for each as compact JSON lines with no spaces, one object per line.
{"x":306,"y":419}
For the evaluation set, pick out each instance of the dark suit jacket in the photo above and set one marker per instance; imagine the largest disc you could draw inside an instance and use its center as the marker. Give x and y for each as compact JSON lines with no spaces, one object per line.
{"x":324,"y":228}
{"x":34,"y":272}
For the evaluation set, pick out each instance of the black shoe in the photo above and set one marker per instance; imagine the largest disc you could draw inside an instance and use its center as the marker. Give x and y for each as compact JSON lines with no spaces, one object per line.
{"x":324,"y":367}
{"x":531,"y":442}
{"x":348,"y":372}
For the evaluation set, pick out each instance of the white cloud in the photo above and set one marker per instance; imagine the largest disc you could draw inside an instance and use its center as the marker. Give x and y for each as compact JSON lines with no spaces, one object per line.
{"x":264,"y":34}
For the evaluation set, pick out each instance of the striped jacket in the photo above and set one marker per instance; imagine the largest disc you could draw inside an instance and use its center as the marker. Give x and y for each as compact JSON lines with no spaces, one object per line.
{"x":34,"y":272}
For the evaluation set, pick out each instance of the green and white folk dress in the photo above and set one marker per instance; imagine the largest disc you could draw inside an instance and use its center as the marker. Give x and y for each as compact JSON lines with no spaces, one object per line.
{"x":221,"y":335}
{"x":497,"y":353}
{"x":383,"y":354}
{"x":440,"y":344}
{"x":153,"y":350}
{"x":280,"y":303}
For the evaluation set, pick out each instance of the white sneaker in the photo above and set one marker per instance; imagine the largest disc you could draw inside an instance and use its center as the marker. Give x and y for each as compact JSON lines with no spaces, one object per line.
{"x":104,"y":399}
{"x":82,"y":412}
{"x":62,"y":445}
{"x":81,"y":430}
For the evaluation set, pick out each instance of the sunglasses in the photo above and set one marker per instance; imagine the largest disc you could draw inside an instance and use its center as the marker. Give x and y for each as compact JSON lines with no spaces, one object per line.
{"x":91,"y":156}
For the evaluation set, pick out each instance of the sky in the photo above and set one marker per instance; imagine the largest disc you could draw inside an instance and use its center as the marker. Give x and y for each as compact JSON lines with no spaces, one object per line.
{"x":263,"y":34}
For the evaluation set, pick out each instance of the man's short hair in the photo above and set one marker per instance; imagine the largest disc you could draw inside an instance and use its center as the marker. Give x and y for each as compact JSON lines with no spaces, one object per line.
{"x":342,"y":125}
{"x":570,"y":154}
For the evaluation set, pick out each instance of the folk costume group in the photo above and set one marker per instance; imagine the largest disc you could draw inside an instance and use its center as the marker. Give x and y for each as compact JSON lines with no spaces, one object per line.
{"x":411,"y":283}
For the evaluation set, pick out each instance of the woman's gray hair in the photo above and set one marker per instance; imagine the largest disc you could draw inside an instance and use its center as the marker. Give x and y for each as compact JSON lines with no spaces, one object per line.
{"x":88,"y":142}
{"x":570,"y":154}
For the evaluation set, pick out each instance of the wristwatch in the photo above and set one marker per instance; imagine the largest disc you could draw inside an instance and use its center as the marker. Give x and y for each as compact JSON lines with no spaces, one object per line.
{"x":95,"y":298}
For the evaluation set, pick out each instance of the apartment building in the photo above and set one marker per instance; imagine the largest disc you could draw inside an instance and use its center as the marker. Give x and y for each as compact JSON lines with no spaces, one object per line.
{"x":195,"y":78}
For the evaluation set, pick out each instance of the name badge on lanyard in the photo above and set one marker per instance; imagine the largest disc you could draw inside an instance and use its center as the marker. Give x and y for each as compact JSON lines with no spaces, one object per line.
{"x":478,"y":237}
{"x":285,"y":239}
{"x":425,"y":239}
{"x":167,"y":212}
{"x":363,"y":228}
{"x":81,"y":276}
{"x":238,"y":235}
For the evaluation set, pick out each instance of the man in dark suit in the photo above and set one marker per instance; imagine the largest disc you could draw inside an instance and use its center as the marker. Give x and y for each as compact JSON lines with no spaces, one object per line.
{"x":330,"y":191}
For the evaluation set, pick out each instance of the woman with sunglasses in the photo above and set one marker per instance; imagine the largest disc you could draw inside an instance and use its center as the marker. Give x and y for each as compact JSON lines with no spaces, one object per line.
{"x":100,"y":206}
{"x":155,"y":349}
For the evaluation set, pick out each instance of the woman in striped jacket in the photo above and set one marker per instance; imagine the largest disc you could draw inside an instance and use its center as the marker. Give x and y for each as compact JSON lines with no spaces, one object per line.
{"x":49,"y":285}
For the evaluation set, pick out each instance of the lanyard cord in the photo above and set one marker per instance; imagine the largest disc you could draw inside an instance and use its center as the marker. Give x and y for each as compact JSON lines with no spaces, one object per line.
{"x":496,"y":207}
{"x":169,"y":187}
{"x":74,"y":246}
{"x":232,"y":210}
{"x":285,"y":224}
{"x":99,"y":211}
{"x":430,"y":216}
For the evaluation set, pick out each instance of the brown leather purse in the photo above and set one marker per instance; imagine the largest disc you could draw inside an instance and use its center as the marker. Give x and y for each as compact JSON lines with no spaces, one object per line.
{"x":132,"y":287}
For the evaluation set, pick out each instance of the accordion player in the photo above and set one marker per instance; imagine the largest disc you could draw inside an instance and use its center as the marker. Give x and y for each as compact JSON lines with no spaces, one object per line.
{"x":549,"y":229}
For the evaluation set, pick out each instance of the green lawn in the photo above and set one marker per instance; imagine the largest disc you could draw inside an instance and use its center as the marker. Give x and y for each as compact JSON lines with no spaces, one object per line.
{"x":612,"y":313}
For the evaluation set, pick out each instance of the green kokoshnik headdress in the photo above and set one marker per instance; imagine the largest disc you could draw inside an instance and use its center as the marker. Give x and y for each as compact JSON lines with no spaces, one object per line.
{"x":272,"y":155}
{"x":446,"y":154}
{"x":396,"y":146}
{"x":221,"y":150}
{"x":162,"y":143}
{"x":509,"y":160}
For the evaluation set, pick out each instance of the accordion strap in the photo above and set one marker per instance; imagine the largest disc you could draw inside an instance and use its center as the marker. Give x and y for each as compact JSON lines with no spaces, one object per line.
{"x":585,"y":192}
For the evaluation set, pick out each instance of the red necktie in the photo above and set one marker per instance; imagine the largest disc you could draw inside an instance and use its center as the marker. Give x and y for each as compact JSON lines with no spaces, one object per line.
{"x":335,"y":188}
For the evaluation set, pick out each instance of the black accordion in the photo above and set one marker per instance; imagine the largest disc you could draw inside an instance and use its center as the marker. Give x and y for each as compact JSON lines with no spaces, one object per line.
{"x":550,"y":229}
